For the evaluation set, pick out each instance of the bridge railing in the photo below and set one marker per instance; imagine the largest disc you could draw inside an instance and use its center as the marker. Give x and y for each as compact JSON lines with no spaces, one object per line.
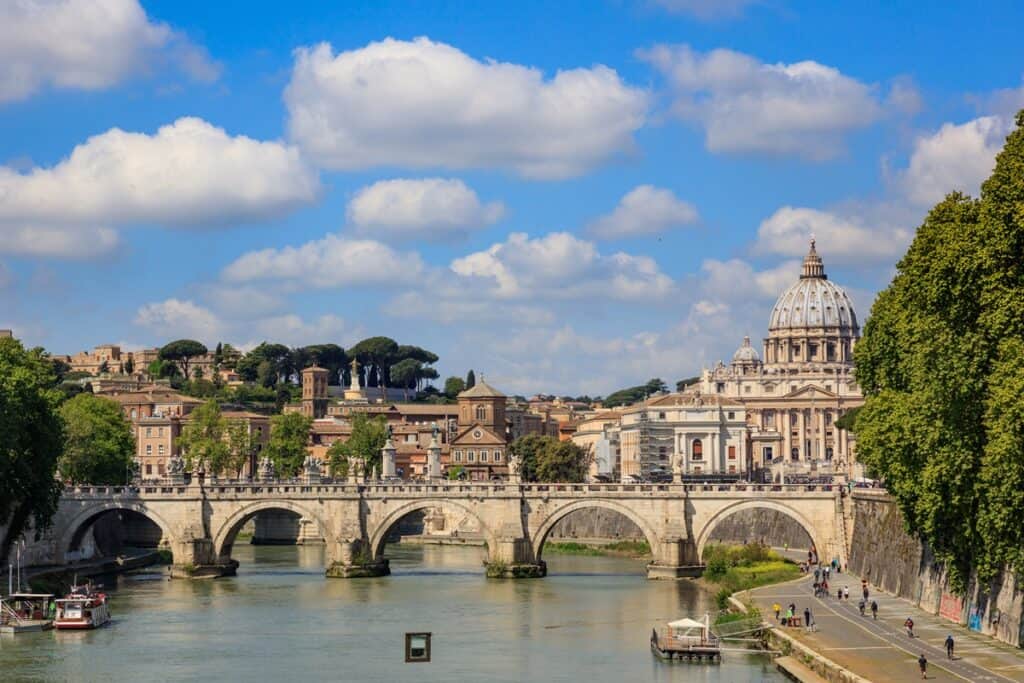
{"x":427,"y":488}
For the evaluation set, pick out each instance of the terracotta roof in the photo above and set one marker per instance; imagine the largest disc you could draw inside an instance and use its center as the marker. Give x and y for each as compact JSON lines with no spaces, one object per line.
{"x":481,"y":390}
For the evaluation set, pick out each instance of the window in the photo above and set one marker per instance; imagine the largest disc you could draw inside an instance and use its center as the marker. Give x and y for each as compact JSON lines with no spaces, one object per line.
{"x":149,"y":431}
{"x":697,"y":450}
{"x":812,"y":351}
{"x":160,"y":449}
{"x":160,"y":468}
{"x":769,"y":388}
{"x":696,"y":470}
{"x":795,"y":453}
{"x":483,"y":456}
{"x":830,"y":351}
{"x":497,"y":456}
{"x":410,"y":438}
{"x":746,"y":389}
{"x":732,"y":452}
{"x":149,"y":468}
{"x":662,"y":453}
{"x":731,"y":415}
{"x":471,"y":456}
{"x":828,"y":452}
{"x":481,"y":412}
{"x":149,"y":449}
{"x":828,"y":419}
{"x":661,"y":416}
{"x":458,"y":456}
{"x":134,"y":413}
{"x":766,"y":453}
{"x":720,"y":387}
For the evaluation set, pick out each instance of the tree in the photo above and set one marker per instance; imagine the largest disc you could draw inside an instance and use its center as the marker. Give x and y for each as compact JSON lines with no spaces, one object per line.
{"x":289,"y":434}
{"x":98,"y":442}
{"x":218,"y":355}
{"x":416,"y":353}
{"x":562,"y":461}
{"x":470,"y":379}
{"x":380,"y":352}
{"x":275,"y":355}
{"x":527,"y":452}
{"x":453,"y":386}
{"x":159,"y":369}
{"x":365,"y":443}
{"x":129,"y":367}
{"x":686,"y":382}
{"x":405,"y":374}
{"x":202,"y":439}
{"x":625,"y":397}
{"x":332,"y":358}
{"x":182,"y":351}
{"x":197,"y":373}
{"x":941,"y":364}
{"x":337,"y":461}
{"x":241,"y":446}
{"x":266,"y":374}
{"x":31,"y":440}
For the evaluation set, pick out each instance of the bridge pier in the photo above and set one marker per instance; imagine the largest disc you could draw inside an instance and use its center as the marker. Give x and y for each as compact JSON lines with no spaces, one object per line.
{"x":512,"y":558}
{"x":196,"y":559}
{"x":675,"y":559}
{"x":353,"y":559}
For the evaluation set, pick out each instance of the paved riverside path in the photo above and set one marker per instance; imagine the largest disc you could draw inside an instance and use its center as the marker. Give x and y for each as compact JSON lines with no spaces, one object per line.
{"x":880,"y":650}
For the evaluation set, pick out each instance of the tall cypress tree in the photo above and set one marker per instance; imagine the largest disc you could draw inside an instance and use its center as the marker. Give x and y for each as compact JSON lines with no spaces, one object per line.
{"x":470,"y":379}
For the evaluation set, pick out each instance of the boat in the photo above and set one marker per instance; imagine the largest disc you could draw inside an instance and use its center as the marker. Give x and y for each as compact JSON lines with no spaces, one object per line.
{"x":26,"y":612}
{"x":82,"y":608}
{"x":686,"y":640}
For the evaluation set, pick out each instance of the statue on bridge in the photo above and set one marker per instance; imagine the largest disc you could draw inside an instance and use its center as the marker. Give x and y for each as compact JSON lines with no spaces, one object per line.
{"x":265,"y":470}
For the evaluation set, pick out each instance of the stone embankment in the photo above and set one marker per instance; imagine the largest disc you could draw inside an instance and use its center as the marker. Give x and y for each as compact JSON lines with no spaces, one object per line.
{"x":891,"y":559}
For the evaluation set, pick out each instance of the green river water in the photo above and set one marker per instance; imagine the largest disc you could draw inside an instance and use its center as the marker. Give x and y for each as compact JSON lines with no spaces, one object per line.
{"x":280,"y":620}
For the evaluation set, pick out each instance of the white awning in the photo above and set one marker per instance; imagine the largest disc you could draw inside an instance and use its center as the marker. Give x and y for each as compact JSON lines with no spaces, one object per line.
{"x":686,"y":623}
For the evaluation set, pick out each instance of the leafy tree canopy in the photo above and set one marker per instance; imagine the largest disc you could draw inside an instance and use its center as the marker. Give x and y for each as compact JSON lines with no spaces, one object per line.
{"x":364,"y":444}
{"x":31,"y":440}
{"x":546,"y":459}
{"x":289,"y":434}
{"x":182,"y":351}
{"x":942,"y":366}
{"x":624,"y":397}
{"x":453,"y":386}
{"x":98,"y":442}
{"x":470,"y":379}
{"x":202,"y":439}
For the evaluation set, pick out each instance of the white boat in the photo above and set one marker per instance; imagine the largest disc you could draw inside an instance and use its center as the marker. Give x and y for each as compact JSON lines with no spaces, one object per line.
{"x":83,"y":608}
{"x":686,"y":639}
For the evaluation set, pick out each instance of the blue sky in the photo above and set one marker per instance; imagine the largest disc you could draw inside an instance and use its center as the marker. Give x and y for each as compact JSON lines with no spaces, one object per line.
{"x":569,"y":197}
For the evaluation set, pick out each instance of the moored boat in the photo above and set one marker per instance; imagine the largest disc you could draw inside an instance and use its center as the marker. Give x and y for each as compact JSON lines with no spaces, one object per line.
{"x":82,"y":608}
{"x":686,"y":639}
{"x":24,"y":612}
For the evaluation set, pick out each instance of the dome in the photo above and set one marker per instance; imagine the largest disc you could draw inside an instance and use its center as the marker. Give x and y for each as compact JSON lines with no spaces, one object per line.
{"x":814,"y":302}
{"x":746,"y":353}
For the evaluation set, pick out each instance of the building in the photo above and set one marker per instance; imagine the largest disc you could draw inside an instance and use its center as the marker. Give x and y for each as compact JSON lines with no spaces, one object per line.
{"x":6,"y":334}
{"x":481,"y":445}
{"x":314,"y":392}
{"x":804,"y":383}
{"x":599,"y":435}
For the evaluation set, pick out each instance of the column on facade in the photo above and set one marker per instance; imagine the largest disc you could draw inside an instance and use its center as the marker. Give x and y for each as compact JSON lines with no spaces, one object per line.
{"x":821,"y":434}
{"x":787,"y":423}
{"x":802,"y":430}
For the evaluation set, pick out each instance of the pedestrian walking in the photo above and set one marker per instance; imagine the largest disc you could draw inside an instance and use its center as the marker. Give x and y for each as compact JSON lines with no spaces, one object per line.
{"x":949,"y":646}
{"x":909,"y":623}
{"x":817,"y":573}
{"x":874,"y":610}
{"x":923,"y":663}
{"x":777,"y":608}
{"x":866,"y":593}
{"x":807,"y":616}
{"x":839,"y":594}
{"x":846,"y":593}
{"x":861,"y":605}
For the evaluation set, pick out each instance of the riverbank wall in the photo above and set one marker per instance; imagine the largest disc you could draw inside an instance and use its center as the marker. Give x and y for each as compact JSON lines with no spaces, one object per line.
{"x":895,"y":561}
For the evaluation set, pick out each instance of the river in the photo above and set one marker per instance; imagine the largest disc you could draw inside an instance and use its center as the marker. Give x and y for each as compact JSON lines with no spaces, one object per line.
{"x":281,"y":620}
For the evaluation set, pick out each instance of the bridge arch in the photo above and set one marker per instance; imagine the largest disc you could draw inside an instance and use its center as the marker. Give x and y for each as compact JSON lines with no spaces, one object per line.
{"x":819,"y":539}
{"x":75,"y":529}
{"x":224,"y":538}
{"x":378,"y":535}
{"x":537,"y":542}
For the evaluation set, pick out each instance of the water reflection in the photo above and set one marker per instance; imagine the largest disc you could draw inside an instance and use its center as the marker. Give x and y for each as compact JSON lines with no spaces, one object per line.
{"x":280,"y":619}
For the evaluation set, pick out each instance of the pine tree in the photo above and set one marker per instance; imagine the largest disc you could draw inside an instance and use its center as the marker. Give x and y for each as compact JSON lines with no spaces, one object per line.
{"x":470,"y":379}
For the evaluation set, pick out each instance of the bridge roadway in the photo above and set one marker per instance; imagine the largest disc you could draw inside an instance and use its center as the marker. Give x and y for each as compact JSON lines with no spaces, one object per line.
{"x":200,"y":521}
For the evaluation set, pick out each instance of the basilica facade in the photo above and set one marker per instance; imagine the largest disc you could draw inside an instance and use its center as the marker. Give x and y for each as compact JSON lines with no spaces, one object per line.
{"x":802,"y":381}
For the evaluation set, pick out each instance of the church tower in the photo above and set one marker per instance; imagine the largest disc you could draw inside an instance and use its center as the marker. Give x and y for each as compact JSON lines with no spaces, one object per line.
{"x":314,"y":392}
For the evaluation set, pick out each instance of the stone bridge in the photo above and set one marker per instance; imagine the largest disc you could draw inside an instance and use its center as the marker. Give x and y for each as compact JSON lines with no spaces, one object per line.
{"x":200,"y":522}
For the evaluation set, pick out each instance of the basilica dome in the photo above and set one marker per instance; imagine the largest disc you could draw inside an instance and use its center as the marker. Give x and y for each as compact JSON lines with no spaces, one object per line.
{"x":746,"y":353}
{"x":813,"y":302}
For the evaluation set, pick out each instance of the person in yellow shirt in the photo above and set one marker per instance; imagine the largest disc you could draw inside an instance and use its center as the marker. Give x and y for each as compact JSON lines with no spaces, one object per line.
{"x":777,"y":608}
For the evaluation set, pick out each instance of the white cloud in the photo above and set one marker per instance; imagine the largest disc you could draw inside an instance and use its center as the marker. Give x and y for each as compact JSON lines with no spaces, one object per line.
{"x":736,"y":280}
{"x":452,"y":304}
{"x":424,"y":104}
{"x":292,"y":330}
{"x":235,"y":301}
{"x":560,"y":265}
{"x":433,"y":209}
{"x":841,"y":238}
{"x":956,"y":157}
{"x":189,"y":174}
{"x":707,"y":10}
{"x":328,"y":263}
{"x":746,"y":106}
{"x":87,"y":45}
{"x":175,"y":319}
{"x":645,"y":210}
{"x":78,"y":242}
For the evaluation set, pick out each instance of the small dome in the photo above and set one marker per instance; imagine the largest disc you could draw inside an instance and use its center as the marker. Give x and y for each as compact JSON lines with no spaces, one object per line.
{"x":814,"y":302}
{"x":746,"y":353}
